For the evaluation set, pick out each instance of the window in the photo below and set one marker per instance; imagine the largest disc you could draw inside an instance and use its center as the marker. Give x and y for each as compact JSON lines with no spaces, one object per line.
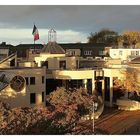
{"x":42,"y":96}
{"x":32,"y":98}
{"x":133,"y":53}
{"x":88,"y":52}
{"x":12,"y":62}
{"x":27,"y":80}
{"x":72,"y":53}
{"x":69,"y":52}
{"x":137,"y":52}
{"x":94,"y":74}
{"x":120,"y":52}
{"x":42,"y":79}
{"x":77,"y":64}
{"x":44,"y":64}
{"x":101,"y":52}
{"x":32,"y":80}
{"x":98,"y":75}
{"x":62,"y":64}
{"x":85,"y":52}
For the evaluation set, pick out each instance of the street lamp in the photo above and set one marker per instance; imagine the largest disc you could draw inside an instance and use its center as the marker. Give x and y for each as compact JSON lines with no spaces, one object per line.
{"x":93,"y":117}
{"x":94,"y":108}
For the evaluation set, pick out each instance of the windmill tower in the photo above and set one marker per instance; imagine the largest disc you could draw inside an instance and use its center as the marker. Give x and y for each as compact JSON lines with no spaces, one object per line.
{"x":51,"y":35}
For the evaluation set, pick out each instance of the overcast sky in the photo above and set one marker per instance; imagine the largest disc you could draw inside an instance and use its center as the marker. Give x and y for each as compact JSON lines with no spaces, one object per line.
{"x":72,"y":23}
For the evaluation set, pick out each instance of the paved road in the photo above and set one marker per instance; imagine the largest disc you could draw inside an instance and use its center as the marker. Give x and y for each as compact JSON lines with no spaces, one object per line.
{"x":114,"y":122}
{"x":119,"y":122}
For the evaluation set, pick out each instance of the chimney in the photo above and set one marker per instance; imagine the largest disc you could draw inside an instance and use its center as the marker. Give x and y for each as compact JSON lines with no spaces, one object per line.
{"x":3,"y":43}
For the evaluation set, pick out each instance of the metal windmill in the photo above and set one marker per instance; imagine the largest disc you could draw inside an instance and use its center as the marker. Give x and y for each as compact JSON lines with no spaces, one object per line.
{"x":52,"y":35}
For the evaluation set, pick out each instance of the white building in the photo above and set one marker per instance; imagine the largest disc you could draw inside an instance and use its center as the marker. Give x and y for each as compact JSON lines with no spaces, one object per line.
{"x":124,"y":54}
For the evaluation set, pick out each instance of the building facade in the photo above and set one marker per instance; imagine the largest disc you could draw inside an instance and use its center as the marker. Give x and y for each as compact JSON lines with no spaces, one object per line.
{"x":50,"y":66}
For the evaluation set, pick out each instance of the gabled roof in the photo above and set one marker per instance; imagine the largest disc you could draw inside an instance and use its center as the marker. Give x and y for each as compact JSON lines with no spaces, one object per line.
{"x":135,"y":60}
{"x":53,"y":48}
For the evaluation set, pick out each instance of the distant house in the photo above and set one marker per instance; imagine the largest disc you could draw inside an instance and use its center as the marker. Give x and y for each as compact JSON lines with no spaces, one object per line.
{"x":72,"y":49}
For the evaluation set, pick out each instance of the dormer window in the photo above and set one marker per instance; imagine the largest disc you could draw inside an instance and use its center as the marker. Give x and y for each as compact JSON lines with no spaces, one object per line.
{"x":89,"y":52}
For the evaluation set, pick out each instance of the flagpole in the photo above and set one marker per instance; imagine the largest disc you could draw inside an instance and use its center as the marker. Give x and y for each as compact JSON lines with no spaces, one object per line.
{"x":34,"y":46}
{"x":34,"y":40}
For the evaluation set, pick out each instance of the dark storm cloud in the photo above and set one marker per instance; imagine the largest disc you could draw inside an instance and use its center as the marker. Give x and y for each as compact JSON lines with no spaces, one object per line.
{"x":78,"y":18}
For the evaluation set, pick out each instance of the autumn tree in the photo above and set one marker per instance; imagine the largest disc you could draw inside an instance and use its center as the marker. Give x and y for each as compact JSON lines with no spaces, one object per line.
{"x":130,"y":38}
{"x":64,"y":109}
{"x":129,"y":83}
{"x":106,"y":36}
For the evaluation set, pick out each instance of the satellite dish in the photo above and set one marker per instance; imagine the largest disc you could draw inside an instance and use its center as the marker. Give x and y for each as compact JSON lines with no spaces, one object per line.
{"x":17,"y":83}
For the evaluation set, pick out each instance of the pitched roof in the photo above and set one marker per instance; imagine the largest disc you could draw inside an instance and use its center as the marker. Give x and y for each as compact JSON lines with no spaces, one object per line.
{"x":53,"y":48}
{"x":63,"y":45}
{"x":82,"y":45}
{"x":135,"y":60}
{"x":31,"y":46}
